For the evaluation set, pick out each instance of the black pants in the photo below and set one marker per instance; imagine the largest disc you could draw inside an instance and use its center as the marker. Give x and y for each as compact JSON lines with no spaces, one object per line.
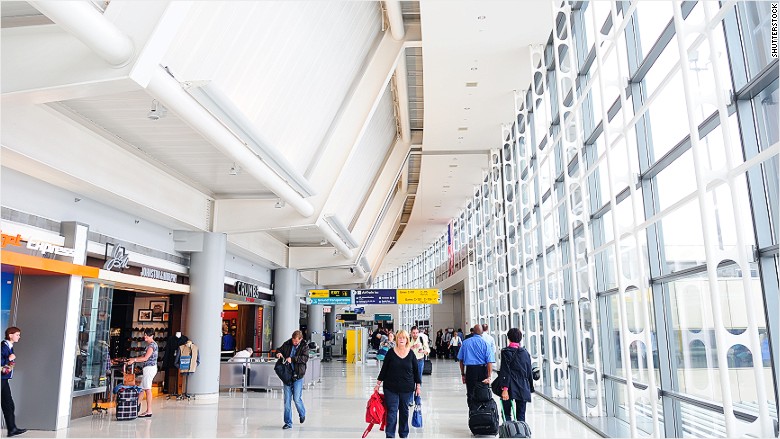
{"x":474,"y":376}
{"x":519,"y":409}
{"x":8,"y":406}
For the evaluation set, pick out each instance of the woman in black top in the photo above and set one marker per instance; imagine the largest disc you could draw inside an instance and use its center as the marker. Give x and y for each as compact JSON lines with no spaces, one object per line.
{"x":515,"y":377}
{"x":401,"y":379}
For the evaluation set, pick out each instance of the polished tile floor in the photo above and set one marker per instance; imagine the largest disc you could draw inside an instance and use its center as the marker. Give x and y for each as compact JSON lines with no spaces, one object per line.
{"x":335,"y":408}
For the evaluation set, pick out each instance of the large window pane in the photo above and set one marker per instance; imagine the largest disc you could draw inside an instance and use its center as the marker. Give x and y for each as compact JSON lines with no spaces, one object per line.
{"x":653,"y":18}
{"x":755,"y":23}
{"x":92,"y":359}
{"x":767,"y":114}
{"x":681,"y":238}
{"x":693,"y":343}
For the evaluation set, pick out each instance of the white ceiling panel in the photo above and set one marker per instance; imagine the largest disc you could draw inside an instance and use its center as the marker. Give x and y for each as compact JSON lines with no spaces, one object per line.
{"x":287,"y":65}
{"x":357,"y":177}
{"x":168,"y":142}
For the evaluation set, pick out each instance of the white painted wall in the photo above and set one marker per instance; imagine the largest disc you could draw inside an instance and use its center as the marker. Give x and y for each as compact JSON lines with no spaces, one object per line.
{"x":27,"y":194}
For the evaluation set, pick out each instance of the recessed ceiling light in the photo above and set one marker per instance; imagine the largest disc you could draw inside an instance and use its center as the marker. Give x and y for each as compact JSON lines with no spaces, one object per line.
{"x":481,"y":17}
{"x":467,"y":108}
{"x":453,"y":166}
{"x":472,"y":84}
{"x":463,"y":128}
{"x":474,"y":69}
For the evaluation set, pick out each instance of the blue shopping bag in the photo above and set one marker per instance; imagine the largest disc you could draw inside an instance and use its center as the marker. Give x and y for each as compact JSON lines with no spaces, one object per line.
{"x":417,"y":414}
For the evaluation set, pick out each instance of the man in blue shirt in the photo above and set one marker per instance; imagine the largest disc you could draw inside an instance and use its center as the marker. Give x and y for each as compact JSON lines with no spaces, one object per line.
{"x":476,"y":362}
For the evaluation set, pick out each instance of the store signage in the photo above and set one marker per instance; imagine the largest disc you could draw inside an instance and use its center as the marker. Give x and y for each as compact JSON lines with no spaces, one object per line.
{"x":375,"y":297}
{"x":383,"y":317}
{"x":120,"y":259}
{"x":247,"y":290}
{"x":43,"y":247}
{"x":158,"y":274}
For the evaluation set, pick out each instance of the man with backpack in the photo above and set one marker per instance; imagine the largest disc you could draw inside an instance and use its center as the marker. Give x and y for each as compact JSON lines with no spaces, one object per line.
{"x":296,"y":355}
{"x":476,"y":363}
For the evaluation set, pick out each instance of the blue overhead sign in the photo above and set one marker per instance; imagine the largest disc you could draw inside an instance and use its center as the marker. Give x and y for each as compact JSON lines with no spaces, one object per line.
{"x":375,"y":297}
{"x":329,"y":300}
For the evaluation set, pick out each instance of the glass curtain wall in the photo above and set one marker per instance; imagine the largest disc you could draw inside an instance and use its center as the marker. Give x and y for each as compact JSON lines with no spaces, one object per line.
{"x":629,"y":222}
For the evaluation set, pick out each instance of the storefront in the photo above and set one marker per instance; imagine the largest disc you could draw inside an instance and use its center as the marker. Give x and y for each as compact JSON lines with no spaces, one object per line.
{"x":247,"y":318}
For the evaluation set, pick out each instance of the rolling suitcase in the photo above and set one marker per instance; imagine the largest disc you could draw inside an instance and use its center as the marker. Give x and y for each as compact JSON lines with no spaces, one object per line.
{"x":513,"y":428}
{"x":483,"y":419}
{"x":127,"y":404}
{"x":427,"y":367}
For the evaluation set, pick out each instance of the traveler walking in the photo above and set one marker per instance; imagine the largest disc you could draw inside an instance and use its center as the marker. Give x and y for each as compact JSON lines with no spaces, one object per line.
{"x":455,"y":343}
{"x":297,"y":355}
{"x":476,"y":363}
{"x":400,"y":380}
{"x":516,"y":376}
{"x":445,"y":341}
{"x":419,"y":345}
{"x":149,"y":360}
{"x":12,"y":335}
{"x":489,"y":339}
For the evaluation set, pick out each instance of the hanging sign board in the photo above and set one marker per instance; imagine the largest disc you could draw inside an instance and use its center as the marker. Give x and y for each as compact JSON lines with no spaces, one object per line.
{"x":375,"y":297}
{"x":329,"y":297}
{"x":329,"y":301}
{"x":383,"y":317}
{"x":419,"y":296}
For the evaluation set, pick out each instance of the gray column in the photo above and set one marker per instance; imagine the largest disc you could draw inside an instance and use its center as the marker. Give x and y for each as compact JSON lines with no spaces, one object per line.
{"x":204,"y":321}
{"x":287,"y":285}
{"x":330,"y":320}
{"x":316,"y":324}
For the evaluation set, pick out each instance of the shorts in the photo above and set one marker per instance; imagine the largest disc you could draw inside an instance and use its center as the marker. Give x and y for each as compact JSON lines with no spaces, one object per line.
{"x":149,"y":373}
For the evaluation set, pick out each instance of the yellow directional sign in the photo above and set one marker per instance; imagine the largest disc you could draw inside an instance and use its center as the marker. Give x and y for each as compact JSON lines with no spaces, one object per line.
{"x":318,"y":293}
{"x":419,"y":296}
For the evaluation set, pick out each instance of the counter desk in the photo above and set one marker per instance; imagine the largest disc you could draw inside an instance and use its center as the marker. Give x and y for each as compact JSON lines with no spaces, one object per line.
{"x":258,"y":373}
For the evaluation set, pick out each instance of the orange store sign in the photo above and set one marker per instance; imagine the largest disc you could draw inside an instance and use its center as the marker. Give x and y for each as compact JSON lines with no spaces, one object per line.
{"x":43,"y":247}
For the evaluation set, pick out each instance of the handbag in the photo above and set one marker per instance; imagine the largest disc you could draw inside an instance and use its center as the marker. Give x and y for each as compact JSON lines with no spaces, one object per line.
{"x":380,"y":354}
{"x":128,"y":378}
{"x":284,"y":372}
{"x":417,"y":415}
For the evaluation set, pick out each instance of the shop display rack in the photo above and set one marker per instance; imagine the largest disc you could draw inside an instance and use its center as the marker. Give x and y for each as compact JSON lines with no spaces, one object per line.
{"x":137,"y":344}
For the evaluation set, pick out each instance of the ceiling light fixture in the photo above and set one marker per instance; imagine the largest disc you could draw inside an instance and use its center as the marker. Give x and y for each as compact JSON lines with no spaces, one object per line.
{"x":225,"y":110}
{"x":234,"y":170}
{"x":323,"y":242}
{"x":280,"y":203}
{"x":467,"y":108}
{"x":481,"y":17}
{"x":157,"y":112}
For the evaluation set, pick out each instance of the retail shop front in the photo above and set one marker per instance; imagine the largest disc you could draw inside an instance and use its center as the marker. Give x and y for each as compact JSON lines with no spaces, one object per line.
{"x":247,"y":318}
{"x":138,"y":298}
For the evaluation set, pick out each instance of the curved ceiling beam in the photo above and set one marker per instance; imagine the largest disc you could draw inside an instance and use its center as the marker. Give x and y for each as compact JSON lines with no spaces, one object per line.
{"x":396,"y":19}
{"x":334,"y":238}
{"x":83,"y":21}
{"x":170,"y":92}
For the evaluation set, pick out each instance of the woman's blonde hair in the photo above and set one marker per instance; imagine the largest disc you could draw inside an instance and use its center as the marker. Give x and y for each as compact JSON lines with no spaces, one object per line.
{"x":402,"y":333}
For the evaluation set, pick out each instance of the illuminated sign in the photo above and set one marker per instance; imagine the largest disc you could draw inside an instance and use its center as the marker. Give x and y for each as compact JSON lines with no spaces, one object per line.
{"x":43,"y":247}
{"x":247,"y":290}
{"x":154,"y":273}
{"x":419,"y":296}
{"x":120,"y":259}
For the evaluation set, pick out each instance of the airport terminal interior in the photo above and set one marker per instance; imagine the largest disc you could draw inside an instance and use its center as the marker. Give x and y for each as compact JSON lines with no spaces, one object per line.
{"x":207,"y":177}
